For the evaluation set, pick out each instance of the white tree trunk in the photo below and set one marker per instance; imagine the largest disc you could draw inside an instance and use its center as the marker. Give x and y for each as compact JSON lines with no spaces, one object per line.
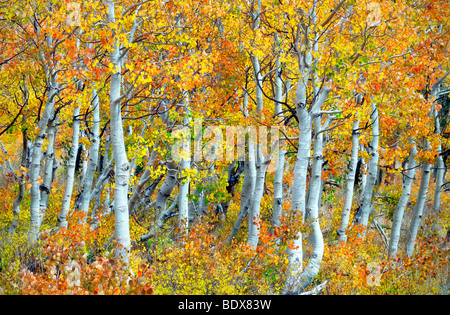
{"x":93,"y":155}
{"x":21,"y":194}
{"x":70,"y":177}
{"x":440,"y":167}
{"x":373,"y":169}
{"x":401,"y":205}
{"x":279,"y":168}
{"x":48,"y":173}
{"x":348,"y":194}
{"x":418,"y":209}
{"x":185,"y":165}
{"x":255,"y":203}
{"x":312,"y":209}
{"x":260,"y":164}
{"x":248,"y":188}
{"x":122,"y":167}
{"x":35,"y":195}
{"x":298,"y":203}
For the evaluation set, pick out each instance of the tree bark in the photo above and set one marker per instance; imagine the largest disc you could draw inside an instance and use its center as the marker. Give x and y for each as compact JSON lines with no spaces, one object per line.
{"x":70,"y":177}
{"x":48,"y":173}
{"x":348,"y":194}
{"x":373,"y":169}
{"x":312,"y":209}
{"x":93,"y":155}
{"x":122,"y":166}
{"x":35,"y":196}
{"x":21,"y":194}
{"x":401,"y":205}
{"x":418,"y":209}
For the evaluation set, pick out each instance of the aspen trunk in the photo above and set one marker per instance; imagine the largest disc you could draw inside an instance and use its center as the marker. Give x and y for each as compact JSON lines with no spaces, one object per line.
{"x":36,"y":156}
{"x":21,"y":194}
{"x":440,"y":167}
{"x":418,"y":209}
{"x":122,"y":167}
{"x":185,"y":165}
{"x":48,"y":173}
{"x":403,"y":201}
{"x":279,"y":168}
{"x":348,"y":195}
{"x":312,"y":209}
{"x":70,"y":177}
{"x":248,"y":188}
{"x":298,"y":203}
{"x":93,"y":155}
{"x":373,"y":169}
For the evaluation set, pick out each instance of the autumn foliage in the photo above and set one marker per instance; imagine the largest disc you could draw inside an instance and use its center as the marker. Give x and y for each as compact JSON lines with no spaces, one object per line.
{"x":95,"y":96}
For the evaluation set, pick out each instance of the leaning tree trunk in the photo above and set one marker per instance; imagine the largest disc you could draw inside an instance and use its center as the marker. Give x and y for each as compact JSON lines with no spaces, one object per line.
{"x":403,"y":201}
{"x":418,"y":209}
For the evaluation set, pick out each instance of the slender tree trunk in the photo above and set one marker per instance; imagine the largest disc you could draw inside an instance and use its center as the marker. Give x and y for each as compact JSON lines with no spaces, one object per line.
{"x":418,"y":209}
{"x":93,"y":155}
{"x":403,"y":201}
{"x":21,"y":194}
{"x":185,"y":165}
{"x":298,"y":203}
{"x":122,"y":167}
{"x":373,"y":169}
{"x":348,"y":195}
{"x":70,"y":177}
{"x":35,"y":195}
{"x":260,"y":164}
{"x":144,"y":179}
{"x":164,"y":192}
{"x":312,"y":209}
{"x":279,"y":168}
{"x":248,"y":188}
{"x":255,"y":203}
{"x":48,"y":173}
{"x":440,"y":167}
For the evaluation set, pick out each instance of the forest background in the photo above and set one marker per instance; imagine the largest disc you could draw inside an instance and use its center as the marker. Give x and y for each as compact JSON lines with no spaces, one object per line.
{"x":224,"y":147}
